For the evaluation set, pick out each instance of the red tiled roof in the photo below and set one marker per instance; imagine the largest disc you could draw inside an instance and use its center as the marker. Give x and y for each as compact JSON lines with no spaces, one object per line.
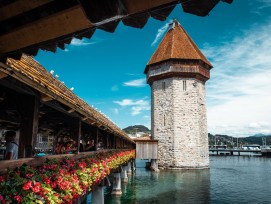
{"x":177,"y":44}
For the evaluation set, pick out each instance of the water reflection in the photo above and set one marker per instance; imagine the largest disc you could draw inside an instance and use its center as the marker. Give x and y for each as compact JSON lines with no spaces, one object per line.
{"x":229,"y":180}
{"x":191,"y":186}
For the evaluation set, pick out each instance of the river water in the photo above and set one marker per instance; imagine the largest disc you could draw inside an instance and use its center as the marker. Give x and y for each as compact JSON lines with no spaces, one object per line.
{"x":230,"y":179}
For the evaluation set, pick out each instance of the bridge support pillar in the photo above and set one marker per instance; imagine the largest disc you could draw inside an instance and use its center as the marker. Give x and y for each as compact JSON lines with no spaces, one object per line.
{"x":133,"y":165}
{"x":129,"y":168}
{"x":124,"y":177}
{"x":154,"y":165}
{"x":231,"y":152}
{"x":98,"y":195}
{"x":116,"y":185}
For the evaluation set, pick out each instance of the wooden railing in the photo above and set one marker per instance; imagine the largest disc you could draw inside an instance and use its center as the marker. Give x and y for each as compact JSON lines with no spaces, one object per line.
{"x":37,"y":161}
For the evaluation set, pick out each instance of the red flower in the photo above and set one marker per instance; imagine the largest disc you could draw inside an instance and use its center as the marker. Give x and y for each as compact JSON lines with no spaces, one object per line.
{"x":36,"y":187}
{"x":18,"y":198}
{"x":29,"y":175}
{"x":1,"y":178}
{"x":27,"y":185}
{"x":47,"y":180}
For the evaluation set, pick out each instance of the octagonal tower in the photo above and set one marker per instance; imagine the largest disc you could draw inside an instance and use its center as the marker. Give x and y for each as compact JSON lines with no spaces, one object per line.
{"x":177,"y":73}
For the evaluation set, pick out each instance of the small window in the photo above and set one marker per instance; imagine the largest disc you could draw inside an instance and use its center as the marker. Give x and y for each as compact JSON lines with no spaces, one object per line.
{"x":164,"y":120}
{"x":184,"y":85}
{"x":163,"y":86}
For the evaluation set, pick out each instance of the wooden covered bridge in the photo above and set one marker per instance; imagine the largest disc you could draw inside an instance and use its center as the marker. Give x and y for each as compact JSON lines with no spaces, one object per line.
{"x":43,"y":111}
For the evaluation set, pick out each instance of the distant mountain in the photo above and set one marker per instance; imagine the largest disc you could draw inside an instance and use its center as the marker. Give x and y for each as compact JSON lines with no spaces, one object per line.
{"x":136,"y":128}
{"x":231,"y":141}
{"x":260,"y":135}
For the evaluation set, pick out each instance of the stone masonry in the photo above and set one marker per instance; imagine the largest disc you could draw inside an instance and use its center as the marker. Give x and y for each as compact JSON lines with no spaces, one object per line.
{"x":179,"y":123}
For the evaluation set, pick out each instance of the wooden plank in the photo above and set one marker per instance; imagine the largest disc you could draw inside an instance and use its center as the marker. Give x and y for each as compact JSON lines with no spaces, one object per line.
{"x":146,"y":150}
{"x":20,"y":6}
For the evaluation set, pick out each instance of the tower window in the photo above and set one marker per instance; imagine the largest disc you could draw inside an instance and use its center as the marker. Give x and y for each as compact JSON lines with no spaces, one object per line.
{"x":164,"y":120}
{"x":184,"y":85}
{"x":163,"y":86}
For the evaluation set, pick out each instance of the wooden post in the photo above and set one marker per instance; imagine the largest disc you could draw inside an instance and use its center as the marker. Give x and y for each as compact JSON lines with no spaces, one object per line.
{"x":29,"y":109}
{"x":114,"y":142}
{"x":107,"y":141}
{"x":96,"y":140}
{"x":77,"y":132}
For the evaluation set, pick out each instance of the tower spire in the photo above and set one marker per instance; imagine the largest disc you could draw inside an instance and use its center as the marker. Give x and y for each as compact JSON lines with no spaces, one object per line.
{"x":177,"y":44}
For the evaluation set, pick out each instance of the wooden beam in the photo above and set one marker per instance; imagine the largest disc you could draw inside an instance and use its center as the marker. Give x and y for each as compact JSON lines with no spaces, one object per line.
{"x":114,"y":142}
{"x":138,"y":6}
{"x":107,"y":141}
{"x":71,"y":111}
{"x":29,"y":108}
{"x":20,"y":6}
{"x":59,"y":24}
{"x":85,"y":118}
{"x":45,"y":98}
{"x":3,"y":75}
{"x":96,"y":139}
{"x":77,"y":129}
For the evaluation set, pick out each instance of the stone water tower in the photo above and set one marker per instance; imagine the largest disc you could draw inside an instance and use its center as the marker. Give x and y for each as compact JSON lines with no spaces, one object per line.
{"x":177,"y":72}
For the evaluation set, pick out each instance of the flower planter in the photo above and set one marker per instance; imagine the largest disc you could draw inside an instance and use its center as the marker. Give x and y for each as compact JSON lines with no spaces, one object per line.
{"x":59,"y":181}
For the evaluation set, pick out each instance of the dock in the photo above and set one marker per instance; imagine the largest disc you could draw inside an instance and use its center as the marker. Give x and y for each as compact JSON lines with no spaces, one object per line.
{"x":233,"y":152}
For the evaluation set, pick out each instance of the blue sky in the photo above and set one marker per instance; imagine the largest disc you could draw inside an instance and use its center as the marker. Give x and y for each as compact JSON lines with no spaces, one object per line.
{"x":107,"y":70}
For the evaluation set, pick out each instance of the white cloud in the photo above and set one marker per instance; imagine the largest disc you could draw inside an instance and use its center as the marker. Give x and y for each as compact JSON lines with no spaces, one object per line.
{"x":136,"y":106}
{"x":136,"y":83}
{"x":130,"y":102}
{"x":78,"y":42}
{"x":115,"y":88}
{"x":116,"y":111}
{"x":160,"y":33}
{"x":238,"y":93}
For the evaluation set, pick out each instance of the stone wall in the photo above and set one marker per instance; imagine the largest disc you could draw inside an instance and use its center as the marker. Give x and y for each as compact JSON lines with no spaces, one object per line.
{"x":179,"y":123}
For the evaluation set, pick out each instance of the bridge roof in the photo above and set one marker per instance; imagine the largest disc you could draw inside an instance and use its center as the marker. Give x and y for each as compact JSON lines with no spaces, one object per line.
{"x":30,"y":25}
{"x":178,"y":45}
{"x":32,"y":73}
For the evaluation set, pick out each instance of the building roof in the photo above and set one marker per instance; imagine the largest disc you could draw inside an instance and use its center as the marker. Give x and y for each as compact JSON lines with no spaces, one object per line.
{"x":177,"y":44}
{"x":30,"y":25}
{"x":144,"y":139}
{"x":30,"y":72}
